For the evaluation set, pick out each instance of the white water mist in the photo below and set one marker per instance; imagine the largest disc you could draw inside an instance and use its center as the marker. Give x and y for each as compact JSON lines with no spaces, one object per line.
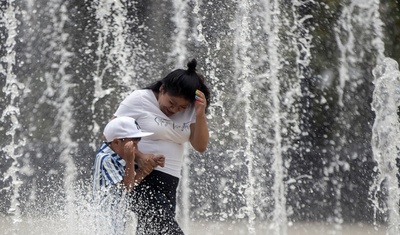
{"x":13,"y":90}
{"x":386,"y":139}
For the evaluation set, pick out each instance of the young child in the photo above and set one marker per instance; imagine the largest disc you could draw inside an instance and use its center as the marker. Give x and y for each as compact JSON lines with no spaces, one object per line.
{"x":115,"y":175}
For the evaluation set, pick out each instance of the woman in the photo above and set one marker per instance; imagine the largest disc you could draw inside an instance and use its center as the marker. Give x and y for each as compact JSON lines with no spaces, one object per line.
{"x":174,"y":109}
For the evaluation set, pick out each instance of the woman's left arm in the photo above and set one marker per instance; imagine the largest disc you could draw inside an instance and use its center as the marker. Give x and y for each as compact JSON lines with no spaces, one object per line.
{"x":199,"y":134}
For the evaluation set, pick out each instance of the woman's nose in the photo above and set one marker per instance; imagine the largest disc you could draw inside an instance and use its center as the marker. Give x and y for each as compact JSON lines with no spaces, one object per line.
{"x":174,"y":109}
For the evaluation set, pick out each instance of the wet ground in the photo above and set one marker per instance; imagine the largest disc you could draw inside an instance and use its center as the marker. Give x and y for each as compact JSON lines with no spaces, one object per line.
{"x":60,"y":226}
{"x":295,"y":229}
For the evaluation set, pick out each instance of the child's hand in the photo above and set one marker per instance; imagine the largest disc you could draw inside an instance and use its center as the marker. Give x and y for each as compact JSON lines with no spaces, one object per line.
{"x":129,"y":150}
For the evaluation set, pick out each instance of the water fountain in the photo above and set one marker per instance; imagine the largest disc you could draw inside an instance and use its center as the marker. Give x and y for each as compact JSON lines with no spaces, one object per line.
{"x":385,"y":134}
{"x":291,"y":119}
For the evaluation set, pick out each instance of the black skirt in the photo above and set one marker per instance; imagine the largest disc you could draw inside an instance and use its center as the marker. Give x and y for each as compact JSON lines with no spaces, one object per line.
{"x":154,"y":202}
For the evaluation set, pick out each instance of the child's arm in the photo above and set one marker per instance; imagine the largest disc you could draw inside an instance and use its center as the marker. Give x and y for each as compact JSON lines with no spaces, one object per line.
{"x":130,"y":174}
{"x":159,"y":160}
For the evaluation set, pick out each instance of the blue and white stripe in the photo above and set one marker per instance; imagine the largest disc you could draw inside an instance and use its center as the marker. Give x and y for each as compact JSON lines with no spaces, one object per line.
{"x":111,"y":203}
{"x":108,"y":168}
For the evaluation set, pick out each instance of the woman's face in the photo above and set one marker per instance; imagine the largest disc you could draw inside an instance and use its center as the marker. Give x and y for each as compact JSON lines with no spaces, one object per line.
{"x":170,"y":105}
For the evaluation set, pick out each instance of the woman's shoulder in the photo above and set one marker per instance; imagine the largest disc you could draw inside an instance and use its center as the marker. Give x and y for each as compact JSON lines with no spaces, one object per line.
{"x":137,"y":96}
{"x":144,"y":93}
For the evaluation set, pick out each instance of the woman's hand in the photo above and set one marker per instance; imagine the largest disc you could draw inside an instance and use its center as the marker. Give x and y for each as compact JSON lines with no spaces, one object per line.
{"x":200,"y":104}
{"x":159,"y":159}
{"x":199,"y":130}
{"x":147,"y":162}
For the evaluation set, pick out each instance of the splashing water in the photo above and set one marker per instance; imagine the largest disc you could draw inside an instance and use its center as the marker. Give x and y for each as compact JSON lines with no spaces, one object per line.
{"x":66,"y":65}
{"x":367,"y":17}
{"x":244,"y":73}
{"x":12,"y":89}
{"x":385,"y":138}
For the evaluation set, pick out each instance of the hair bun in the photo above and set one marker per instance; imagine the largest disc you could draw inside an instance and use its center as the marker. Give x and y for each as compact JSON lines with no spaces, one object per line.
{"x":192,"y":65}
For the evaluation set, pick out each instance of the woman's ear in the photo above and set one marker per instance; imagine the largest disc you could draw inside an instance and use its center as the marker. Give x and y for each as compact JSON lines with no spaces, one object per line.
{"x":161,"y":89}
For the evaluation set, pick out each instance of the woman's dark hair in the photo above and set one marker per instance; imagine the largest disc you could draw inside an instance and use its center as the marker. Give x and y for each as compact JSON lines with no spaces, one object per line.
{"x":183,"y":83}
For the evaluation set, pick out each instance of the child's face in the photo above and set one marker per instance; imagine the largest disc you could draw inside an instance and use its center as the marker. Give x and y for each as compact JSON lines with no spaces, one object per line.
{"x":125,"y":147}
{"x":134,"y":140}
